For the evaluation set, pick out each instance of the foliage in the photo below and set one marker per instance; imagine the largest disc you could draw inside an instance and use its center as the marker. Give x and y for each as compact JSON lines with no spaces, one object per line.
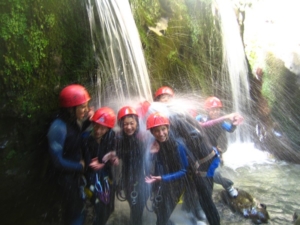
{"x":43,"y":46}
{"x":281,"y":89}
{"x":189,"y":50}
{"x":10,"y":154}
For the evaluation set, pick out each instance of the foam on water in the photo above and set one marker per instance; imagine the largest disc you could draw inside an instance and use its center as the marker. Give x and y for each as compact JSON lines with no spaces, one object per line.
{"x":245,"y":154}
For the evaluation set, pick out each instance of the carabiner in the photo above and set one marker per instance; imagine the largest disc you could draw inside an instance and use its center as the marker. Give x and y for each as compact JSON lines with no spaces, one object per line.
{"x":98,"y":185}
{"x":134,"y":194}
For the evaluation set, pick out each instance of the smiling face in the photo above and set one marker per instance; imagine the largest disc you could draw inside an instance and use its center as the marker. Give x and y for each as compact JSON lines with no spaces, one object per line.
{"x":214,"y":113}
{"x":81,"y":111}
{"x":129,"y":125}
{"x":161,"y":133}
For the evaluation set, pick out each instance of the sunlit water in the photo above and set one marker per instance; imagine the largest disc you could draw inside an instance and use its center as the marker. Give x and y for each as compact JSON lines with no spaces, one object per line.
{"x":271,"y":182}
{"x":234,"y":79}
{"x":121,"y":71}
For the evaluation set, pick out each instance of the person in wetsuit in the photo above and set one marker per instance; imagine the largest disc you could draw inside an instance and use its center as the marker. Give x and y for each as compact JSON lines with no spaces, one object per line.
{"x":131,"y":152}
{"x":203,"y":157}
{"x":214,"y":125}
{"x":100,"y":156}
{"x":163,"y":94}
{"x":170,"y":168}
{"x":64,"y":138}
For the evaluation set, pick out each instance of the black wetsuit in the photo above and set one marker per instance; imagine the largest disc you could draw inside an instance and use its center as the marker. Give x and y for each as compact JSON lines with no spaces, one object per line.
{"x":103,"y":200}
{"x":213,"y":133}
{"x":65,"y":149}
{"x":131,"y":151}
{"x":171,"y":164}
{"x":200,"y":148}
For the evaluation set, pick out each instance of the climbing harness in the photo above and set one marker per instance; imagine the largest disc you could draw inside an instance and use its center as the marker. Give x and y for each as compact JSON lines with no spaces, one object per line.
{"x":203,"y":160}
{"x":82,"y":183}
{"x":156,"y":200}
{"x":103,"y":193}
{"x":134,"y":194}
{"x":120,"y":190}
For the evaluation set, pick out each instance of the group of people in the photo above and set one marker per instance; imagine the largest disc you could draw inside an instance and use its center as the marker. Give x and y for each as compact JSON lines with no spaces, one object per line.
{"x":175,"y":155}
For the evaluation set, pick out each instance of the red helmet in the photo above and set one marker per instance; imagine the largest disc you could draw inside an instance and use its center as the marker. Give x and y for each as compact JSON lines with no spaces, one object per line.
{"x":73,"y":95}
{"x":157,"y":119}
{"x":143,"y":108}
{"x":212,"y":102}
{"x":126,"y":110}
{"x":164,"y":90}
{"x":105,"y":116}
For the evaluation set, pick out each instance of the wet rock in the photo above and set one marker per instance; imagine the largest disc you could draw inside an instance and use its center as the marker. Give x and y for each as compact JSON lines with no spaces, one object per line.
{"x":247,"y":206}
{"x":296,"y":219}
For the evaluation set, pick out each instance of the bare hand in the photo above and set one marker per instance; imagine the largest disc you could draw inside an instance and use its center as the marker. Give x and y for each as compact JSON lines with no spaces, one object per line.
{"x":151,"y":179}
{"x":91,"y":112}
{"x":95,"y":165}
{"x":115,"y":161}
{"x":235,"y":118}
{"x":154,"y":147}
{"x":109,"y":156}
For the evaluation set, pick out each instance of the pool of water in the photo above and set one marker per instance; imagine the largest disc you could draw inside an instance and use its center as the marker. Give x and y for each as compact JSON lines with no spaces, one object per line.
{"x":274,"y":183}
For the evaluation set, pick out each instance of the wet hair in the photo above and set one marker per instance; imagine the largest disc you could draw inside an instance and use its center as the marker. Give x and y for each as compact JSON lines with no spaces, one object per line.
{"x":68,"y":114}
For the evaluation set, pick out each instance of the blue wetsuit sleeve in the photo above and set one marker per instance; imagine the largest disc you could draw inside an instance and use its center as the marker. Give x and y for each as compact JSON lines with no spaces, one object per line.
{"x":199,"y":118}
{"x":229,"y":127}
{"x":56,"y":138}
{"x":184,"y":164}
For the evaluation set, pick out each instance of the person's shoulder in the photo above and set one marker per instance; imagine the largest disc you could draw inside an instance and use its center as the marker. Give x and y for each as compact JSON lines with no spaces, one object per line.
{"x":58,"y":128}
{"x":57,"y":124}
{"x":180,"y":142}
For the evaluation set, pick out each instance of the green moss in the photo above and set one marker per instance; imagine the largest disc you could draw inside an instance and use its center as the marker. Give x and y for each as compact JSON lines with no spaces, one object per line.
{"x":44,"y":44}
{"x":189,"y":52}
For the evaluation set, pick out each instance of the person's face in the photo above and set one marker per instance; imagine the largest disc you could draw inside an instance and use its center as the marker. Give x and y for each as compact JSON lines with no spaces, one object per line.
{"x":99,"y":130}
{"x":165,"y":98}
{"x":161,"y":133}
{"x":81,"y":111}
{"x":129,"y":125}
{"x":214,"y":113}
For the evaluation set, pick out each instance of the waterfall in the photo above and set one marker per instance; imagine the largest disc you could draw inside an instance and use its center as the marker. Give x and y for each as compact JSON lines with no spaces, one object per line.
{"x":121,"y":68}
{"x":234,"y":63}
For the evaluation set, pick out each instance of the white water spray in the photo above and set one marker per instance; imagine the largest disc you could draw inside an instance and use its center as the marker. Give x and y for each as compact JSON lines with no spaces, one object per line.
{"x":245,"y":154}
{"x":122,"y":72}
{"x":234,"y":61}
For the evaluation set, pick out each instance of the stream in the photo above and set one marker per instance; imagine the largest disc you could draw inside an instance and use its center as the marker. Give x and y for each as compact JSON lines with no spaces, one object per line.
{"x":274,"y":183}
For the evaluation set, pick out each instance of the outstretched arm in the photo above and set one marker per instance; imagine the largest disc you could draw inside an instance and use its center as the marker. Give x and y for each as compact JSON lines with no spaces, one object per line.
{"x":235,"y":119}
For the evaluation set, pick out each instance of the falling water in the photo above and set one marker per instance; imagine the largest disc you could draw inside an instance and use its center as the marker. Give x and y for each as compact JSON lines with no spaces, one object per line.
{"x":121,"y":67}
{"x":122,"y":75}
{"x":234,"y":63}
